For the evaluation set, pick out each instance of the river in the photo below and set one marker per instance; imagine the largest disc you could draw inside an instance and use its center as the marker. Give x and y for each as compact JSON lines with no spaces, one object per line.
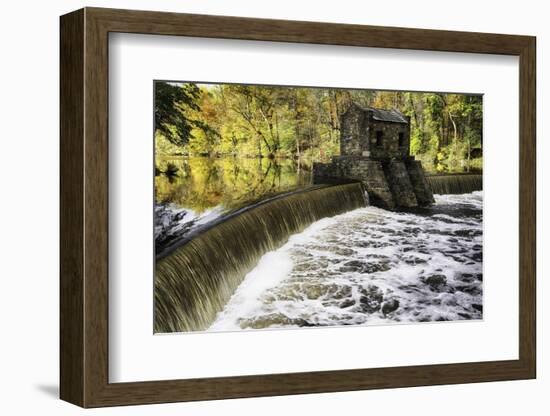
{"x":369,"y":266}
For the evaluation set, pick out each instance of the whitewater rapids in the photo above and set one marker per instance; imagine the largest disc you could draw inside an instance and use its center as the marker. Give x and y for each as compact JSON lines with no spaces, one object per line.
{"x":369,"y":266}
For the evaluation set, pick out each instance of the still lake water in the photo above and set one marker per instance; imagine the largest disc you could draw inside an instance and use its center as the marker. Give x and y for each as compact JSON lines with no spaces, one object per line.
{"x":201,"y":189}
{"x":202,"y":183}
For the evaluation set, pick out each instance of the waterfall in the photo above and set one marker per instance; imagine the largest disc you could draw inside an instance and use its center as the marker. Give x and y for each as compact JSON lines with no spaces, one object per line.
{"x":194,"y":281}
{"x":463,"y":183}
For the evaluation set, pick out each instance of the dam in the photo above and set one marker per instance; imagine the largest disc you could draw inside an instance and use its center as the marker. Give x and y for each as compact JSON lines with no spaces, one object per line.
{"x":195,"y":279}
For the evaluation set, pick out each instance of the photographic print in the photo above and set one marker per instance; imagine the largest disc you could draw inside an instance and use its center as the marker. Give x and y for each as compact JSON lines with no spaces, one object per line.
{"x":283,"y":207}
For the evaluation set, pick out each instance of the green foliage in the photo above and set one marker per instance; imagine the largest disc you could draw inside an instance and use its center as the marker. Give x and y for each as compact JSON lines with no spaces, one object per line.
{"x":173,"y":105}
{"x":416,"y":144}
{"x":304,"y":123}
{"x":163,"y":146}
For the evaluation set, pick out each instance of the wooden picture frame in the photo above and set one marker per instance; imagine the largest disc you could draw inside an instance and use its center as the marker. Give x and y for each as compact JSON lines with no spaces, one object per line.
{"x":84,"y":207}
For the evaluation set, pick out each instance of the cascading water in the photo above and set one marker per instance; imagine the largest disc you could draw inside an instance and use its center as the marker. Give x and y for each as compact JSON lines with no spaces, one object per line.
{"x":194,"y":281}
{"x":369,"y":266}
{"x":455,"y":184}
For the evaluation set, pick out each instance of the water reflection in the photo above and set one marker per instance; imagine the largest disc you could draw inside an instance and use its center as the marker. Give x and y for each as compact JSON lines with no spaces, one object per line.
{"x":202,"y":183}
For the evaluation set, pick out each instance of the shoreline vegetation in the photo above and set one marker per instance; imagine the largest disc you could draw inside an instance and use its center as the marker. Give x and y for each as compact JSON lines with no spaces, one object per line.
{"x":303,"y":124}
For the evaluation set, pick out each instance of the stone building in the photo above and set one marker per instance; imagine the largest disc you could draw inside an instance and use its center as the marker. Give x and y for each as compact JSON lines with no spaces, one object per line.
{"x":374,"y":149}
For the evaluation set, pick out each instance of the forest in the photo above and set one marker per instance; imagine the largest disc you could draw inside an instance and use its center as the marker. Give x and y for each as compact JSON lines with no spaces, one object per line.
{"x":254,"y":121}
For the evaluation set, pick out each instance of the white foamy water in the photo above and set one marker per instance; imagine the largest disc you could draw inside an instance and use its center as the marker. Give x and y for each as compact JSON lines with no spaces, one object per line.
{"x":369,"y":266}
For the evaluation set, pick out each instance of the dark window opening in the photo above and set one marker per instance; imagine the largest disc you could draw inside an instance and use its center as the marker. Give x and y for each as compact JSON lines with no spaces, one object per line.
{"x":379,"y":136}
{"x":401,"y":139}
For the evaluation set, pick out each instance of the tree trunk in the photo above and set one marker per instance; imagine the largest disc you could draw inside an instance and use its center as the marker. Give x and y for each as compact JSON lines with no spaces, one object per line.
{"x":455,"y":137}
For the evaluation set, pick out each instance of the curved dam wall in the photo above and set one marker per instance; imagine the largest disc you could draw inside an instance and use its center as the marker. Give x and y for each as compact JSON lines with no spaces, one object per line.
{"x":196,"y":279}
{"x":463,"y":183}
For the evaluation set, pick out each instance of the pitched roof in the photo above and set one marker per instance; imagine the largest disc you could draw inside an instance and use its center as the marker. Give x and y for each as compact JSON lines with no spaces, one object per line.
{"x":378,"y":114}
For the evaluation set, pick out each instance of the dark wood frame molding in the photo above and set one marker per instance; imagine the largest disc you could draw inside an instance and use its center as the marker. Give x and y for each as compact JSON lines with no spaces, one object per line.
{"x":84,"y":208}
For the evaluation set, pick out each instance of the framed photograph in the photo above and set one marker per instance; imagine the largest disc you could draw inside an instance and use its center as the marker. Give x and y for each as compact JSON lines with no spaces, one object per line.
{"x":255,"y":207}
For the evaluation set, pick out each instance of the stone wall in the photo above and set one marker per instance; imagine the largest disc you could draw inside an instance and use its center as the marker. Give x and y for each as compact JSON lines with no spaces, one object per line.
{"x":394,"y":183}
{"x":371,"y":174}
{"x":359,"y":136}
{"x":350,"y":132}
{"x":422,"y":188}
{"x":400,"y":184}
{"x":390,"y":140}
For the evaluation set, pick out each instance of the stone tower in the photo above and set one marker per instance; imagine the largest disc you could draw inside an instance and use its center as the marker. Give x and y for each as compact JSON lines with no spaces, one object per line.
{"x":374,"y":149}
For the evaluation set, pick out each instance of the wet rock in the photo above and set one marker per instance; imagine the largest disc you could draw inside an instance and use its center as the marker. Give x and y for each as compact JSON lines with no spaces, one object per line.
{"x":449,"y":300}
{"x":471,"y":290}
{"x":353,"y":266}
{"x":364,"y":267}
{"x":309,"y":265}
{"x":347,"y":303}
{"x":412,"y":231}
{"x":320,"y":290}
{"x":458,"y":259}
{"x":342,"y":251}
{"x":301,"y":252}
{"x":339,"y":292}
{"x":314,"y":291}
{"x":436,"y":280}
{"x":371,"y":299}
{"x":390,"y":306}
{"x":302,"y":322}
{"x":455,"y":250}
{"x":463,"y":233}
{"x":369,"y":305}
{"x":170,"y":223}
{"x":274,"y":320}
{"x":476,"y":257}
{"x":412,"y":260}
{"x":411,"y":288}
{"x":379,"y":256}
{"x":466,"y":277}
{"x":372,"y":244}
{"x":285,"y":294}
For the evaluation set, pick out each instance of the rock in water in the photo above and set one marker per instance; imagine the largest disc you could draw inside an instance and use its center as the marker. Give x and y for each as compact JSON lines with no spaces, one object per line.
{"x":371,"y":299}
{"x":436,"y":280}
{"x":390,"y":306}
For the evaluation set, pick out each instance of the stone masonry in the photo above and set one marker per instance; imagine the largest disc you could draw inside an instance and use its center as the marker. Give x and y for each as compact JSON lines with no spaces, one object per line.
{"x":374,"y":149}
